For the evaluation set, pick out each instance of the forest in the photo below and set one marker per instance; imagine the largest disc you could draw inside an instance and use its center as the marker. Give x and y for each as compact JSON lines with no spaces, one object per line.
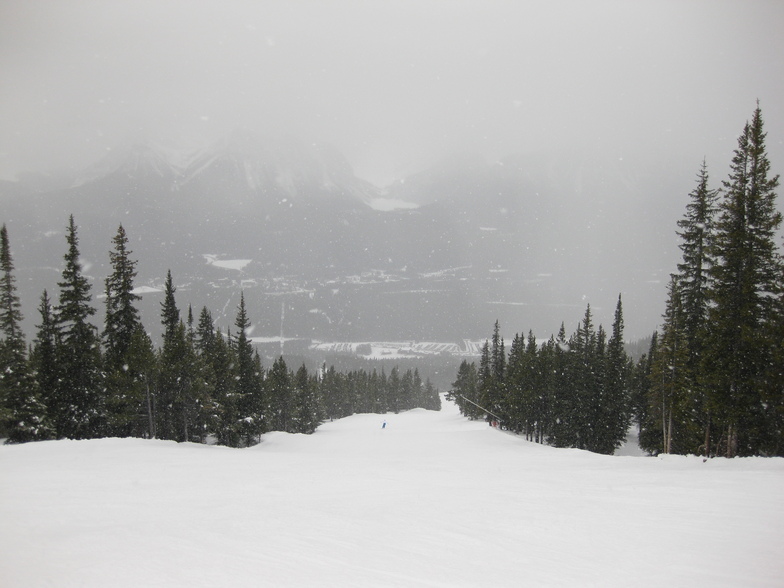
{"x":200,"y":386}
{"x":712,"y":382}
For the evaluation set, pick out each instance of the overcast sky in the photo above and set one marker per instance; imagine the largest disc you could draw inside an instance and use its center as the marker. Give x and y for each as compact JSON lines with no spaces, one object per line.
{"x":394,"y":85}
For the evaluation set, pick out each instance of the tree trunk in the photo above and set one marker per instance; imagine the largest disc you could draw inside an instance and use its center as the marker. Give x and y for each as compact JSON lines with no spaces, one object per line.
{"x":149,"y":409}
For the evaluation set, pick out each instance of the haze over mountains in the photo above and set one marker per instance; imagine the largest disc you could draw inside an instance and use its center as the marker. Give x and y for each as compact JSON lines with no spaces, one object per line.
{"x":437,"y":256}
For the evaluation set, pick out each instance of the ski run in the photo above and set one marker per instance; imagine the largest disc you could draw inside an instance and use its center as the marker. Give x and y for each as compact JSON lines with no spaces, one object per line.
{"x":432,"y":499}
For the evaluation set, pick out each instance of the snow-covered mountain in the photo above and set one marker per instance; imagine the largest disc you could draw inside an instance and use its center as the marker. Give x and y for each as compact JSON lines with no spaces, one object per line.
{"x":526,"y":240}
{"x":243,"y":162}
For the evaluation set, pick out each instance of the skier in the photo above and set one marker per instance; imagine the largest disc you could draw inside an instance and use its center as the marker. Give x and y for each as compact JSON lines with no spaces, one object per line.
{"x":384,"y":425}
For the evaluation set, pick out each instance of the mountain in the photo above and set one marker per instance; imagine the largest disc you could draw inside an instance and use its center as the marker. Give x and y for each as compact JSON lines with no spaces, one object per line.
{"x":528,"y":240}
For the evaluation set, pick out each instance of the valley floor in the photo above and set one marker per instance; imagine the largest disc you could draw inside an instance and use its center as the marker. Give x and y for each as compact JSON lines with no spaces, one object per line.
{"x":430,"y":500}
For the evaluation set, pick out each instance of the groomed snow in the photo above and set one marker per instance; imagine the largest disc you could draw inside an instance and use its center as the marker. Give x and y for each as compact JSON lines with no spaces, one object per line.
{"x":431,"y":500}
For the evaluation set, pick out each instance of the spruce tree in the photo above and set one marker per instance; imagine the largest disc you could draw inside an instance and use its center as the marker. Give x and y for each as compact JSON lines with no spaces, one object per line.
{"x":248,"y":387}
{"x":279,"y":390}
{"x":696,"y":233}
{"x":615,"y":399}
{"x":43,"y":357}
{"x":221,"y":361}
{"x":514,"y":408}
{"x":485,"y":385}
{"x":170,"y":314}
{"x":127,"y":348}
{"x":180,"y":399}
{"x":78,"y":403}
{"x":432,"y":399}
{"x":23,"y":412}
{"x":464,"y":388}
{"x":307,"y":411}
{"x":745,"y":282}
{"x":122,"y":316}
{"x":640,"y":388}
{"x":181,"y":390}
{"x":669,"y":409}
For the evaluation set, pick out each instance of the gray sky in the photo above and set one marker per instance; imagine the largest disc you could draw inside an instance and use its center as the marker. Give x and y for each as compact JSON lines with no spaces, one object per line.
{"x":394,"y":85}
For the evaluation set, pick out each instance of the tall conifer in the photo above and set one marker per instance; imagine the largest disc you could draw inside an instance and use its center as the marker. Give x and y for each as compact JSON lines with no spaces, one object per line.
{"x":745,"y":282}
{"x":22,"y":411}
{"x":79,"y":403}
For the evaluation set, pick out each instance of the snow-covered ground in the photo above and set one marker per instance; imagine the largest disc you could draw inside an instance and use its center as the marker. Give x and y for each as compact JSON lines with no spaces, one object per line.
{"x":430,"y":500}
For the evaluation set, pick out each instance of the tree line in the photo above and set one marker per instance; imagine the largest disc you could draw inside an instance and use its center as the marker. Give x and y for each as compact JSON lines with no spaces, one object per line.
{"x":566,"y":392}
{"x":712,"y":381}
{"x":78,"y":383}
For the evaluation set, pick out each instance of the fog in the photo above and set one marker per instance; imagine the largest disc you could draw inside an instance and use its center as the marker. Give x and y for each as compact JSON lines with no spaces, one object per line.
{"x":395,"y":85}
{"x":651,"y":86}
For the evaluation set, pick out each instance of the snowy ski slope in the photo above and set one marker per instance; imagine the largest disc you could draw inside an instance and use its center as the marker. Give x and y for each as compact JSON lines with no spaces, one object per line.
{"x":430,"y":500}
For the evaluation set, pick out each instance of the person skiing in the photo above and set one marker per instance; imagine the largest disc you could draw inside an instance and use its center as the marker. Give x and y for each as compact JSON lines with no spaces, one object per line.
{"x":384,"y":425}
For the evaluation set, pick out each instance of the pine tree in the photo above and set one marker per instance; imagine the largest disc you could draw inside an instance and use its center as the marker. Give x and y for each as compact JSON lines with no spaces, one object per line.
{"x":248,"y":386}
{"x":181,"y":391}
{"x":697,"y":228}
{"x":79,"y":403}
{"x":514,"y":409}
{"x":668,"y":395}
{"x":432,"y":399}
{"x":616,"y":415}
{"x":221,"y":362}
{"x":170,"y":314}
{"x":122,"y":316}
{"x":205,"y":332}
{"x":640,"y":388}
{"x":485,"y":384}
{"x":745,"y":282}
{"x":394,"y":391}
{"x":128,"y":357}
{"x":180,"y":400}
{"x":307,"y":412}
{"x":43,"y":357}
{"x":279,"y":390}
{"x":464,"y":388}
{"x":23,"y":412}
{"x":697,"y":232}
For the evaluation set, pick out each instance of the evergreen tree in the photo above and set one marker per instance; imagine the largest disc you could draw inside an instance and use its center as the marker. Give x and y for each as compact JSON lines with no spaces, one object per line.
{"x":130,"y":389}
{"x":180,"y":401}
{"x":465,"y":389}
{"x":170,"y":314}
{"x":745,"y":282}
{"x":279,"y":391}
{"x":697,"y":232}
{"x":582,"y":411}
{"x":205,"y":332}
{"x":220,"y":358}
{"x":78,"y":404}
{"x":668,"y":401}
{"x":514,"y":409}
{"x":122,"y":316}
{"x":248,"y":387}
{"x":43,"y":357}
{"x":432,"y":399}
{"x":394,"y":391}
{"x":23,"y":413}
{"x":696,"y":235}
{"x":127,"y":348}
{"x":616,"y":416}
{"x":307,"y":414}
{"x":485,"y":385}
{"x":640,"y":385}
